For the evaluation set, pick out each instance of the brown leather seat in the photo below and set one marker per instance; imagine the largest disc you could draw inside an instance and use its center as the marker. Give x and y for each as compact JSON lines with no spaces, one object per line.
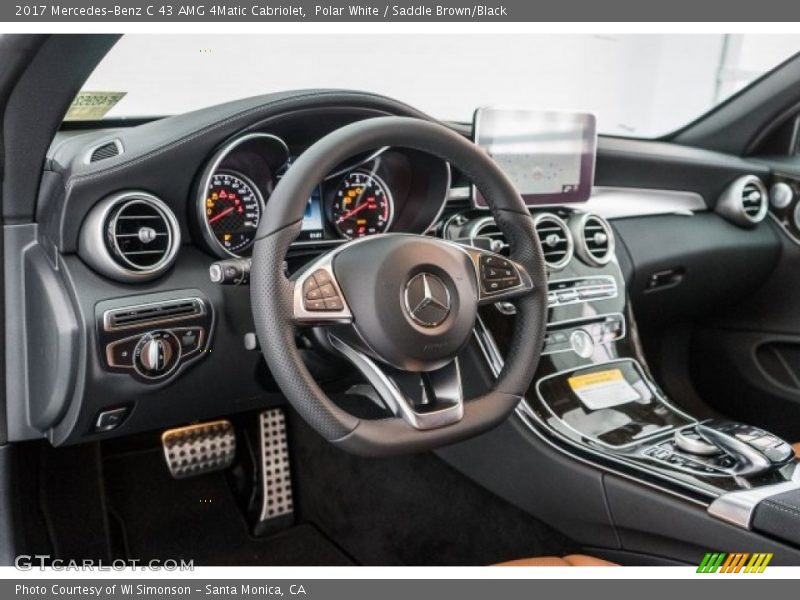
{"x":573,"y":560}
{"x":796,"y":449}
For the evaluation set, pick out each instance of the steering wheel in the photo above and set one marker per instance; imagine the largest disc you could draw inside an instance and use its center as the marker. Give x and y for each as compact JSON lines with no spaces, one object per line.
{"x":398,"y":306}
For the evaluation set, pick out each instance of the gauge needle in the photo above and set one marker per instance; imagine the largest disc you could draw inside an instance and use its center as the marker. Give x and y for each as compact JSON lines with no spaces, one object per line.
{"x":349,"y":214}
{"x":222,"y":214}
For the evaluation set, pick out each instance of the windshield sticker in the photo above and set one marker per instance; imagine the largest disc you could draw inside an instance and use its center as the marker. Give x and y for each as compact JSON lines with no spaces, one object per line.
{"x":92,"y":106}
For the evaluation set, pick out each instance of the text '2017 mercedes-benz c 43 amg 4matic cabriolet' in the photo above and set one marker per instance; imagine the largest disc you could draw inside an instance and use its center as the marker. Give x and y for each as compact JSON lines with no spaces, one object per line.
{"x":316,"y":300}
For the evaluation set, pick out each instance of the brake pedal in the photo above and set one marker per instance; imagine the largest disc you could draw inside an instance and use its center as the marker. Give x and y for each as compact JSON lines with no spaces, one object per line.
{"x":199,"y":449}
{"x":277,"y":504}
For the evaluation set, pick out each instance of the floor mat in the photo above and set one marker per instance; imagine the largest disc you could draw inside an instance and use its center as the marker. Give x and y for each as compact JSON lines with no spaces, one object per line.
{"x":198,"y":519}
{"x":409,"y":510}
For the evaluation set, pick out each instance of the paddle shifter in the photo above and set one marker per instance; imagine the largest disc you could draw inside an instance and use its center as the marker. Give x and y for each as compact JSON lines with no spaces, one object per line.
{"x":753,"y":449}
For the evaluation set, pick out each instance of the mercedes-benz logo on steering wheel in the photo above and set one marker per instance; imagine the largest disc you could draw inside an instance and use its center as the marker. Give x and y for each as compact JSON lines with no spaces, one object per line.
{"x":427,"y":299}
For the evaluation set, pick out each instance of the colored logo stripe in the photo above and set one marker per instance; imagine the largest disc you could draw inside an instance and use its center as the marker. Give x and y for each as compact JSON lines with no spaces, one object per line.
{"x":734,"y":563}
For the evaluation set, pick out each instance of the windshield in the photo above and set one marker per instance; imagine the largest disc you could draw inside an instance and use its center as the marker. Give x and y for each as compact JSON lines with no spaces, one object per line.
{"x":637,"y":85}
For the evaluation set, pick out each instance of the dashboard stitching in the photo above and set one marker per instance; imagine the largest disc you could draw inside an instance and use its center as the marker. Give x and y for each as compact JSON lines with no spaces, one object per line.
{"x":74,"y":179}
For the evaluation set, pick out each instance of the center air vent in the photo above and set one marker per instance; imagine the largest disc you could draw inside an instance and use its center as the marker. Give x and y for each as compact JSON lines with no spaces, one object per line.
{"x":595,"y":239}
{"x":745,"y":201}
{"x":556,"y":239}
{"x":130,"y":236}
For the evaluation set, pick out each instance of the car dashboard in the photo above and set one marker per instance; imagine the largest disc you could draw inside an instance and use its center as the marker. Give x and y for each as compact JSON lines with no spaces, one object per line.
{"x":121,"y":330}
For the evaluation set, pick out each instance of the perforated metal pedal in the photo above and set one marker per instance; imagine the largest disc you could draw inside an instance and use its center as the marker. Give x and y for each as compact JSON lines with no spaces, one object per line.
{"x":276,"y":476}
{"x":199,"y":449}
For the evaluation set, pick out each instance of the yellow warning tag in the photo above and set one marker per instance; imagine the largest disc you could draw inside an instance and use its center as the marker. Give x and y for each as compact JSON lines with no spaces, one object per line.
{"x":582,"y":381}
{"x":92,"y":106}
{"x":603,"y":389}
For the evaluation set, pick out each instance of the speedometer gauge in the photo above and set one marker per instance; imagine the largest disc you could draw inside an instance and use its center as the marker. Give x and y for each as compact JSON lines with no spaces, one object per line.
{"x":362,"y":205}
{"x":233,"y":207}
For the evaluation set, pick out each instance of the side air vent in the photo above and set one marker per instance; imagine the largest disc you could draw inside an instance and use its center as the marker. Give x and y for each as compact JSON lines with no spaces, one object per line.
{"x":131,"y":236}
{"x":595,"y":237}
{"x":556,"y":239}
{"x":744,"y":202}
{"x":486,"y":228}
{"x":106,"y":150}
{"x":157,"y":312}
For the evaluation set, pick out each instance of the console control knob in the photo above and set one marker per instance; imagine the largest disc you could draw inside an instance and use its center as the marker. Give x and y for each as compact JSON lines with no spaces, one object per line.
{"x":691,"y":442}
{"x":582,"y":343}
{"x":781,"y":195}
{"x":156,"y":354}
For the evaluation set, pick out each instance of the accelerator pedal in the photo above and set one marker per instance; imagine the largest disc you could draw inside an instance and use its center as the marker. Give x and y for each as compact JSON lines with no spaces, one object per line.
{"x":199,"y":449}
{"x":277,"y":504}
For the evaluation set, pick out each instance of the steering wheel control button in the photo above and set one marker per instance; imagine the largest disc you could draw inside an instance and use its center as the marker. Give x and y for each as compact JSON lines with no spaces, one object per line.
{"x":319,"y":293}
{"x":107,"y":420}
{"x":334,"y":303}
{"x":157,"y":354}
{"x":427,"y":299}
{"x":328,"y":291}
{"x":497,"y":274}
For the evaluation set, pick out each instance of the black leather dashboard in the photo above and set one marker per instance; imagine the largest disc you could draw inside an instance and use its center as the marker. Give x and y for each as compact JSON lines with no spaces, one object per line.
{"x":165,"y":157}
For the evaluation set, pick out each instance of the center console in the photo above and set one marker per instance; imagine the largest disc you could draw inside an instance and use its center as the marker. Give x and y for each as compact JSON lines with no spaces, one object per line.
{"x":594,"y":398}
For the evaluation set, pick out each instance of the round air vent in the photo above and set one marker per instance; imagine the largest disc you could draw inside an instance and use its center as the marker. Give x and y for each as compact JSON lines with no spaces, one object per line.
{"x":131,"y":236}
{"x":556,"y":239}
{"x":595,"y":239}
{"x":745,"y":201}
{"x":485,"y":227}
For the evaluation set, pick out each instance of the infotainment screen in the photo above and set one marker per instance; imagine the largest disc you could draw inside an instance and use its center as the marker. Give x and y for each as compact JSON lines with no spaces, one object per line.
{"x":549,"y":156}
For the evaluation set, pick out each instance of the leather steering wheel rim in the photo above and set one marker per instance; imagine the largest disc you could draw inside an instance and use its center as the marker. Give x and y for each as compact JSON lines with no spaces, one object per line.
{"x":272,"y":292}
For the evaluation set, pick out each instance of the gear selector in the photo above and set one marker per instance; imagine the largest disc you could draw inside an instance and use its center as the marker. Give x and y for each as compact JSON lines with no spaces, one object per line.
{"x":753,"y":449}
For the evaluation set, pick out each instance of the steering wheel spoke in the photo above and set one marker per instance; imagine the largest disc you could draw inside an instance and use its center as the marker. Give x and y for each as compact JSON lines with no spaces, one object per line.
{"x":425,"y":400}
{"x":500,"y":279}
{"x":318,"y":298}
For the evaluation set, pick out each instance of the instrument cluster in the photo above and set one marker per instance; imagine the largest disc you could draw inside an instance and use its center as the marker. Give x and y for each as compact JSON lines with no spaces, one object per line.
{"x":388,"y":190}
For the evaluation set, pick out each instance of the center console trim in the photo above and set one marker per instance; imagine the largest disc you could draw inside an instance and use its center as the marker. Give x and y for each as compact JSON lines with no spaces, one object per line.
{"x":656,"y":394}
{"x":737,"y":508}
{"x":533,"y":423}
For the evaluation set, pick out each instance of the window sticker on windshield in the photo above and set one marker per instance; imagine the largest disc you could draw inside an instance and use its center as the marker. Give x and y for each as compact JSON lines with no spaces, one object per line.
{"x":603,"y":389}
{"x":91,"y":106}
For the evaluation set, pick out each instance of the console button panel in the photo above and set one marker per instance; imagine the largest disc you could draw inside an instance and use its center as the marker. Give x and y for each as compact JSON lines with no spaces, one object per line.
{"x":562,"y":337}
{"x":562,"y":292}
{"x":668,"y":454}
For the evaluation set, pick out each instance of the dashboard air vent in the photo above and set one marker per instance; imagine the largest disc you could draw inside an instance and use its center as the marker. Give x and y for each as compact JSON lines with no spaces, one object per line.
{"x":753,"y":200}
{"x":139,"y":234}
{"x":596,"y":237}
{"x":556,"y":239}
{"x":104,"y":151}
{"x":157,"y":312}
{"x":745,"y":201}
{"x":131,"y":236}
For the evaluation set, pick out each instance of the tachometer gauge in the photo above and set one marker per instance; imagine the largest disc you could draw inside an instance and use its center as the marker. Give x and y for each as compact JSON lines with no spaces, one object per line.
{"x":233,"y":207}
{"x":362,"y":205}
